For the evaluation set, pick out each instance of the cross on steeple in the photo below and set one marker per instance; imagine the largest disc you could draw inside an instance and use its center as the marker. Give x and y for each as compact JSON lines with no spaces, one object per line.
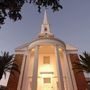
{"x":45,"y":28}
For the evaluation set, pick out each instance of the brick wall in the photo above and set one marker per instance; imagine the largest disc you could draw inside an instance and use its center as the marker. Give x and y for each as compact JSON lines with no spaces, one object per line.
{"x":13,"y":80}
{"x":79,"y":77}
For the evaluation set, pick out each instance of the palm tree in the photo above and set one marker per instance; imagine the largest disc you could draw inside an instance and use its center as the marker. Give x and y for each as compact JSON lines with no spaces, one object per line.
{"x":7,"y":64}
{"x":83,"y":64}
{"x":2,"y":87}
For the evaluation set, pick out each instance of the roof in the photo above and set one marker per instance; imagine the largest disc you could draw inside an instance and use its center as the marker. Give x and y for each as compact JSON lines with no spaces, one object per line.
{"x":70,"y":47}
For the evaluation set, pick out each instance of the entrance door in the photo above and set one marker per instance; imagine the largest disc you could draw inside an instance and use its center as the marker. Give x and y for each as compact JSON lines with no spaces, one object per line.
{"x":47,"y":83}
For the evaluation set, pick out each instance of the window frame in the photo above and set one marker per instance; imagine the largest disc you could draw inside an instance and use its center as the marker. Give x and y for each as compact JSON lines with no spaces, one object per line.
{"x":46,"y":60}
{"x":47,"y":80}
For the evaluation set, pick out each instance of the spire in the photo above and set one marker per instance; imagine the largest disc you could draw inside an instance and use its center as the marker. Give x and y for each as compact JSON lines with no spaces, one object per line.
{"x":45,"y":28}
{"x":45,"y":20}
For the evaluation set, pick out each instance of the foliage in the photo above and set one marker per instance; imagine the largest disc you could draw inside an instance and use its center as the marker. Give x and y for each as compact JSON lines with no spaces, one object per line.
{"x":84,"y":64}
{"x":2,"y":87}
{"x":7,"y":64}
{"x":12,"y":8}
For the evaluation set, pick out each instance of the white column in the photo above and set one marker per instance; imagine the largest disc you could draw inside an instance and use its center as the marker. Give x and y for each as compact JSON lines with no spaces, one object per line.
{"x":21,"y":74}
{"x":73,"y":82}
{"x":59,"y":70}
{"x":25,"y":72}
{"x":35,"y":69}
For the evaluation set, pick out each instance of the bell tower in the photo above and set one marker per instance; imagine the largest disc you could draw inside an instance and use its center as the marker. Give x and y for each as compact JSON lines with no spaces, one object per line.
{"x":45,"y":27}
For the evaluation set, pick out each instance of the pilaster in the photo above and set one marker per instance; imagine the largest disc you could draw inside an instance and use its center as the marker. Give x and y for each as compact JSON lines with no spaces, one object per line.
{"x":59,"y":69}
{"x":35,"y":69}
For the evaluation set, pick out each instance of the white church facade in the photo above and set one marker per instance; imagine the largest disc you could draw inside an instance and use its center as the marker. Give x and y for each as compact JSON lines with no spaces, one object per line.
{"x":46,"y":64}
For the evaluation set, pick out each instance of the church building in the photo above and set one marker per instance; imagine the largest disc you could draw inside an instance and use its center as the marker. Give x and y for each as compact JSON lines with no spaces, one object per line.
{"x":46,"y":63}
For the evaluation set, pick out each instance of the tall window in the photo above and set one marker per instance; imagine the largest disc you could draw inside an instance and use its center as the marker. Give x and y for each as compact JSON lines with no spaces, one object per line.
{"x":46,"y":59}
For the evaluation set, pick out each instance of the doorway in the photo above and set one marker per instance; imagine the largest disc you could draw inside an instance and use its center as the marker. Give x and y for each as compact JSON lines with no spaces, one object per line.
{"x":47,"y":83}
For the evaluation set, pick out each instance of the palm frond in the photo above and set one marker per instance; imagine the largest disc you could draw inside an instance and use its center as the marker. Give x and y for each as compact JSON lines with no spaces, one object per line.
{"x":7,"y":64}
{"x":4,"y":74}
{"x":83,"y":64}
{"x":15,"y":68}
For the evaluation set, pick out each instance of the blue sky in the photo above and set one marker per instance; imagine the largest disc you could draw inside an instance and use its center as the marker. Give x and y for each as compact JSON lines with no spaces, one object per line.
{"x":71,"y":24}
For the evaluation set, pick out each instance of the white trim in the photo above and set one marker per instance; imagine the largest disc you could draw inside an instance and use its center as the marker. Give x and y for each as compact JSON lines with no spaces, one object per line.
{"x":21,"y":74}
{"x":20,"y":52}
{"x":46,"y":42}
{"x":69,"y":81}
{"x":25,"y":79}
{"x":71,"y":51}
{"x":72,"y":73}
{"x":59,"y":69}
{"x":35,"y":69}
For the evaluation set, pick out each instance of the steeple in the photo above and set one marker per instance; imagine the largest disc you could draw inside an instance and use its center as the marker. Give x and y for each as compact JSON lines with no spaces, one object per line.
{"x":45,"y":20}
{"x":45,"y":27}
